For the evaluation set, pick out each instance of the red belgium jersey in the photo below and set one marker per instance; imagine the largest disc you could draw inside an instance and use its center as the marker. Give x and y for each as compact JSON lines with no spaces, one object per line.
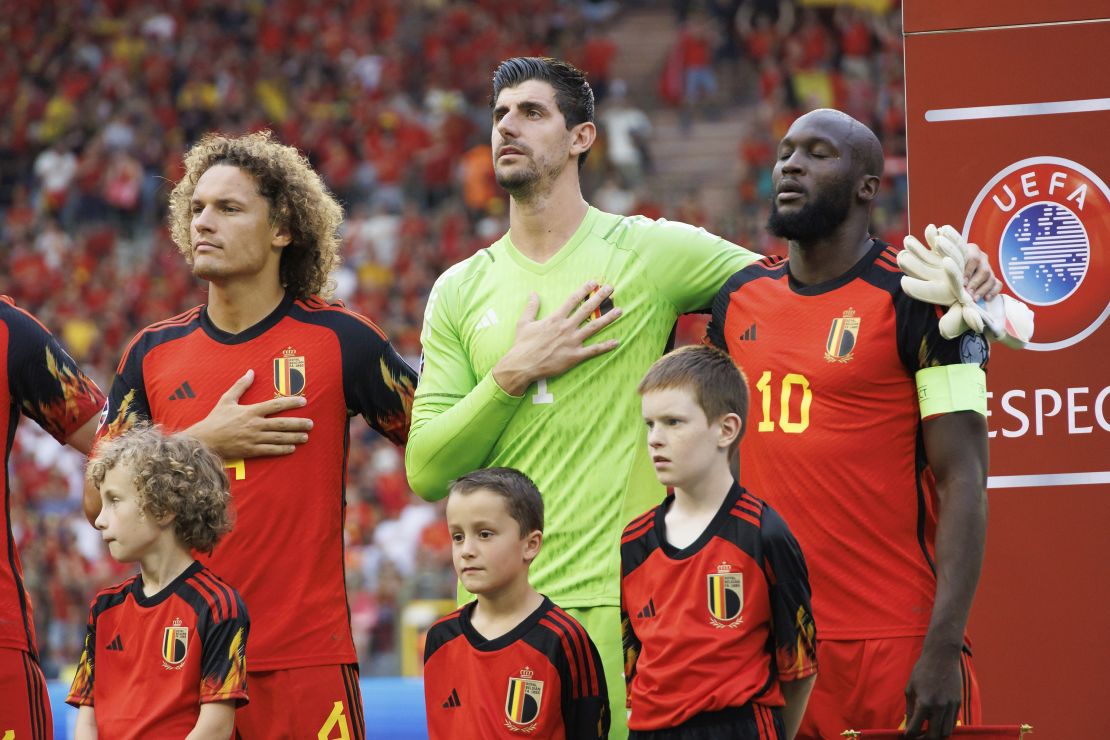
{"x":150,"y":661}
{"x":285,"y":551}
{"x":541,"y":680}
{"x":717,"y":624}
{"x":834,"y":437}
{"x":40,"y":380}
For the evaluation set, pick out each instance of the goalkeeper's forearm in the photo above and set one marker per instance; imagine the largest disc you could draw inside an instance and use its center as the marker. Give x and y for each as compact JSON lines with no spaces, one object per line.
{"x":448,"y":440}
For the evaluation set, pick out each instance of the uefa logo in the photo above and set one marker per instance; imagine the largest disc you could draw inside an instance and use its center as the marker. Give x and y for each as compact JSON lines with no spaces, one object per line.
{"x":1045,"y":224}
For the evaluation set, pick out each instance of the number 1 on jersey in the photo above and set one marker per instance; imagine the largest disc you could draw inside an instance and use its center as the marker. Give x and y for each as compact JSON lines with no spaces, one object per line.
{"x":238,"y":467}
{"x":766,"y":423}
{"x":542,"y":395}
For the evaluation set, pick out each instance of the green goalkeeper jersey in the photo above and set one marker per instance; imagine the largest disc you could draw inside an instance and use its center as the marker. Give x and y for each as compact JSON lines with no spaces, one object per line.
{"x":579,"y":435}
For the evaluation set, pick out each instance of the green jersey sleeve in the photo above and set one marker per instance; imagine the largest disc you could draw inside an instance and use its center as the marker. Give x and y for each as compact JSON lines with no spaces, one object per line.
{"x":687,"y":263}
{"x":456,"y":416}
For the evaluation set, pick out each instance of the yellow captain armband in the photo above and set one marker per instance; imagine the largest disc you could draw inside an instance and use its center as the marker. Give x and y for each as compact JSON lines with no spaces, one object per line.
{"x":947,"y":388}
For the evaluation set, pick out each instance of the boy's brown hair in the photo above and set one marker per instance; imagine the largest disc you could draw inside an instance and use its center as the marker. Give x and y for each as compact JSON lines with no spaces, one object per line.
{"x":174,"y":474}
{"x":521,"y":495}
{"x":718,"y":385}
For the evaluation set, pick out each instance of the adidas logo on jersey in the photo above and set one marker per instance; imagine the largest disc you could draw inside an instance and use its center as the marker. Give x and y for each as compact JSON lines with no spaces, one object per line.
{"x":116,"y":644}
{"x":453,"y":700}
{"x":489,"y":318}
{"x":648,"y":611}
{"x":749,"y":335}
{"x":183,"y":391}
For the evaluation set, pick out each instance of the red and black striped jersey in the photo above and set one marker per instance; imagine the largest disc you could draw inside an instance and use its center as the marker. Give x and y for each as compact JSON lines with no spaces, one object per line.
{"x":542,"y":679}
{"x":285,"y":552}
{"x":150,"y":661}
{"x":40,"y":380}
{"x":834,"y":435}
{"x":717,"y":624}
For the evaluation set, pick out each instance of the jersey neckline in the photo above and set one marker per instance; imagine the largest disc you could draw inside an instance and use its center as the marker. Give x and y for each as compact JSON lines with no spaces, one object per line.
{"x":169,"y":590}
{"x":564,"y":253}
{"x":711,"y":529}
{"x":478,"y":642}
{"x":828,"y":286}
{"x":217,"y":334}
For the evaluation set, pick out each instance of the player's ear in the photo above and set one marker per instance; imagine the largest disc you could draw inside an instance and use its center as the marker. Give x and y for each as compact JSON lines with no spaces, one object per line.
{"x":868,"y":188}
{"x":731,"y":425}
{"x":166,"y":519}
{"x":582,"y":138}
{"x":532,"y":543}
{"x":282,"y":235}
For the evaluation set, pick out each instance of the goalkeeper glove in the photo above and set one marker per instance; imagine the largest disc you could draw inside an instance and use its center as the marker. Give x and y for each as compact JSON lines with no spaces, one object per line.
{"x":934,"y":274}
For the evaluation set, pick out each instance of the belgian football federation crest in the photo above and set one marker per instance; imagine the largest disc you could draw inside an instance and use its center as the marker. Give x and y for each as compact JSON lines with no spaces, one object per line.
{"x":725,"y":597}
{"x":843,"y":336}
{"x":523,"y":701}
{"x":175,"y":645}
{"x":289,"y":376}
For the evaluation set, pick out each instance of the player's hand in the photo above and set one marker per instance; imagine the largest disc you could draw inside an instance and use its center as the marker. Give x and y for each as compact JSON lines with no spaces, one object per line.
{"x":550,"y":346}
{"x":979,"y":278}
{"x":933,"y":694}
{"x":237,"y":431}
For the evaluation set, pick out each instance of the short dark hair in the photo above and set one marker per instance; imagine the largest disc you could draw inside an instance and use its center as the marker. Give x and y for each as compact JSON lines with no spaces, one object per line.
{"x":520,"y":493}
{"x":719,"y":386}
{"x":573,"y":94}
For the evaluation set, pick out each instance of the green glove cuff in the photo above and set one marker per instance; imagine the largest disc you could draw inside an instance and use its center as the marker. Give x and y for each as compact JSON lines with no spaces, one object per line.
{"x":948,"y":388}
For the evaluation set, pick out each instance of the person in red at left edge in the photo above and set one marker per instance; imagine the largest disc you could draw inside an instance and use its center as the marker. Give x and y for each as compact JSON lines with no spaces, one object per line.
{"x":38,"y":379}
{"x":255,"y":220}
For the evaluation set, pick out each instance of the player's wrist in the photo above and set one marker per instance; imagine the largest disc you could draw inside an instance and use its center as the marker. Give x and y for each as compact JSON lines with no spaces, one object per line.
{"x":513,"y":382}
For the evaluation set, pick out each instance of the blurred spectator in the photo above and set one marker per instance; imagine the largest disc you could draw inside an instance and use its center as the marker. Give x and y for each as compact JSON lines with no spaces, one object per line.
{"x":627,"y":131}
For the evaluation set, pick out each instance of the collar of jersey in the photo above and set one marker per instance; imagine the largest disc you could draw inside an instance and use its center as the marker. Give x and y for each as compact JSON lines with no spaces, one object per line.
{"x":219,"y":335}
{"x":877,"y":246}
{"x":171,"y":588}
{"x":478,"y":642}
{"x":714,"y":526}
{"x":565,"y":251}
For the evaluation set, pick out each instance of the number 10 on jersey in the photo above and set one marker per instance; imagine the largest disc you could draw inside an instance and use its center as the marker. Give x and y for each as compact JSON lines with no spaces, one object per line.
{"x":791,"y":383}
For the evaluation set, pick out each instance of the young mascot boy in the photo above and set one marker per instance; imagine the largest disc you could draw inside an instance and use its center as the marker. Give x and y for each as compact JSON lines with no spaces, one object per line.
{"x":719,"y":637}
{"x":510,"y":661}
{"x":165,"y":651}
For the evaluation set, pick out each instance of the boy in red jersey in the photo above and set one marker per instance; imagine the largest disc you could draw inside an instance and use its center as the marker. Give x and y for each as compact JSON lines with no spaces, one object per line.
{"x":255,"y":220}
{"x":510,"y":661}
{"x":718,"y":632}
{"x":165,"y":651}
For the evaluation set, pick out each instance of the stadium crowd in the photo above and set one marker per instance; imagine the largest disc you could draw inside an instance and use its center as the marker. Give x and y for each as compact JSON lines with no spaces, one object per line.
{"x":388,"y":99}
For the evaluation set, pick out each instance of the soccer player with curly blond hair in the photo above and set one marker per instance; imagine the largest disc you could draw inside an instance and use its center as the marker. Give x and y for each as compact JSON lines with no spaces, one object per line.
{"x":162,"y":496}
{"x":255,"y":220}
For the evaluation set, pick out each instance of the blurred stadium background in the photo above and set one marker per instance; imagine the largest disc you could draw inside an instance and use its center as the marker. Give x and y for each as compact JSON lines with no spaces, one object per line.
{"x":388,"y":98}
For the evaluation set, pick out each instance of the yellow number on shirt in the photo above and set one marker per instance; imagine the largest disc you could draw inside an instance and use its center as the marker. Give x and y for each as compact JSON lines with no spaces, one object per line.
{"x":789,"y":382}
{"x":239,"y":467}
{"x":335,"y":720}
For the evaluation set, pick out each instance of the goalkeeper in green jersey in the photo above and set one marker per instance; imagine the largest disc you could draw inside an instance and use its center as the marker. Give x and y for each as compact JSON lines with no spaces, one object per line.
{"x":518,"y":374}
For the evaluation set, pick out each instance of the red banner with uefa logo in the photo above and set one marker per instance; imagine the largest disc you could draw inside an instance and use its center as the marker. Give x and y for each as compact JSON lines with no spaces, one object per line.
{"x":1008,"y":128}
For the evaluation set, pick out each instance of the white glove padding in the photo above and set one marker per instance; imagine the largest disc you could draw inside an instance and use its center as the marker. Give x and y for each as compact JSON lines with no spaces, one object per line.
{"x":935,"y":274}
{"x":1007,"y":320}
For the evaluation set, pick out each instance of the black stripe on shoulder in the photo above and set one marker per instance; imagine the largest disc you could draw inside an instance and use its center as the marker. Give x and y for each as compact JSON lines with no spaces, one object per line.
{"x":344,"y":322}
{"x":442,"y":632}
{"x":169,"y":330}
{"x":112,"y":596}
{"x":769,"y":267}
{"x":640,"y":522}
